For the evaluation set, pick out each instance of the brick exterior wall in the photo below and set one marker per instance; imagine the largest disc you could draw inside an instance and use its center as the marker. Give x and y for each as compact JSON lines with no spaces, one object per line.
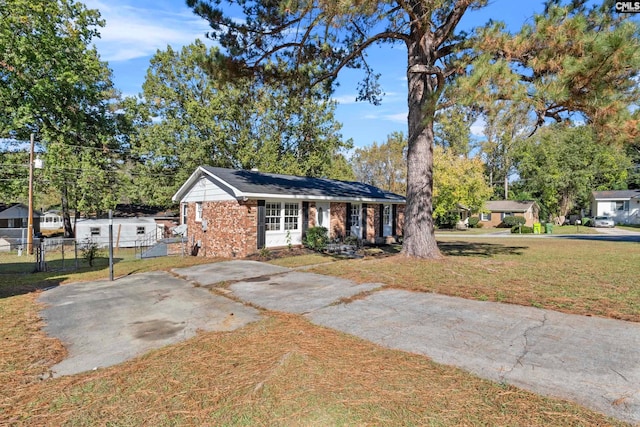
{"x":373,"y":222}
{"x":400,"y":220}
{"x":312,"y":214}
{"x":338,"y":218}
{"x":496,"y":219}
{"x":231,"y":229}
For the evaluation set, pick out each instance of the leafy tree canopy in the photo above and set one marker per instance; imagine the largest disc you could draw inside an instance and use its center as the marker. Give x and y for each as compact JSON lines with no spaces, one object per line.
{"x":199,"y":117}
{"x":54,"y":85}
{"x":562,"y":164}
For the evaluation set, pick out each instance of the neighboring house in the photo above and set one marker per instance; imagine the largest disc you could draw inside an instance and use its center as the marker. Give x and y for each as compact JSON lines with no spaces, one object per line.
{"x":52,"y":220}
{"x":234,"y":213}
{"x":166,"y":218}
{"x":498,"y":209}
{"x":14,"y":219}
{"x":623,"y":206}
{"x":127,"y":232}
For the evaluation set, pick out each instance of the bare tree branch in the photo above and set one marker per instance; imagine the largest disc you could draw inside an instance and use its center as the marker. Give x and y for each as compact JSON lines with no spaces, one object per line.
{"x":444,"y":32}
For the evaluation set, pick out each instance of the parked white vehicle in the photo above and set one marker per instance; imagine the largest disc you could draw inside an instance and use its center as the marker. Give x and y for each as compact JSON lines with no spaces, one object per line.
{"x":603,"y":221}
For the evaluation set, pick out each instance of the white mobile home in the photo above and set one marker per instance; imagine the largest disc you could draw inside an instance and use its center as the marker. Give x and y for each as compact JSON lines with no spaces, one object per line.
{"x":127,"y":232}
{"x":623,"y":206}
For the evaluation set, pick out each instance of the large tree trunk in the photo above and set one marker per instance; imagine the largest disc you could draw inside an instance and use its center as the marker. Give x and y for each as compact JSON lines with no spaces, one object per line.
{"x":66,"y":217}
{"x":419,"y":236}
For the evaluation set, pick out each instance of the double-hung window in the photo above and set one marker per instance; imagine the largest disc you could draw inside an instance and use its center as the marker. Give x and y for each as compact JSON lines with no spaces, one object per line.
{"x":355,"y":215}
{"x":386,"y":215}
{"x":281,"y":216}
{"x":272,"y":216}
{"x":198,"y":211}
{"x":291,"y":212}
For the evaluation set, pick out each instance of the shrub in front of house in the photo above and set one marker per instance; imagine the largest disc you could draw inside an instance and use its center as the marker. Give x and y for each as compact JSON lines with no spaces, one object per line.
{"x":521,"y":229}
{"x":474,"y":222}
{"x":512,"y":221}
{"x":316,"y":238}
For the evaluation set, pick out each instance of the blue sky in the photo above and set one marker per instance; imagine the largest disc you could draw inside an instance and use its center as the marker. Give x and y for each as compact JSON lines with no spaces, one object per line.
{"x":135,"y":30}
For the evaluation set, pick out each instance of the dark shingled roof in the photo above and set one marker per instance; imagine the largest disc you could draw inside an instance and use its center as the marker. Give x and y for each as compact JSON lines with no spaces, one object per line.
{"x":615,"y":194}
{"x":253,"y":182}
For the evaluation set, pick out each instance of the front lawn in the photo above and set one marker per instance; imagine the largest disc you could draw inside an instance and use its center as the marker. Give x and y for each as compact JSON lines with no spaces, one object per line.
{"x":283,"y":370}
{"x":569,"y":275}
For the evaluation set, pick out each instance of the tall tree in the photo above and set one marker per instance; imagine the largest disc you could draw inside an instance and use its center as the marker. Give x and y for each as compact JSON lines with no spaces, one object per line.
{"x":242,"y":123}
{"x":329,"y":36}
{"x":383,"y":165}
{"x":53,"y":84}
{"x":452,"y":129}
{"x":561,"y":165}
{"x":458,"y":181}
{"x":506,"y":125}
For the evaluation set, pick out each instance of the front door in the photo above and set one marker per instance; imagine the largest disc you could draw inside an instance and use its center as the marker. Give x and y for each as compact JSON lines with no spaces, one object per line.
{"x":323,"y":215}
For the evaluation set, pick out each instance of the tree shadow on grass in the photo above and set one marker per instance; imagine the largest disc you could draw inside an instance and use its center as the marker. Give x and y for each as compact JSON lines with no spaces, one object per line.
{"x":22,"y":280}
{"x":478,"y":249}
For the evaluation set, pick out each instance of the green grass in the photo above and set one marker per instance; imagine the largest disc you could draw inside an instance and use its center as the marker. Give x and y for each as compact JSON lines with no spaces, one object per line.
{"x":574,"y":276}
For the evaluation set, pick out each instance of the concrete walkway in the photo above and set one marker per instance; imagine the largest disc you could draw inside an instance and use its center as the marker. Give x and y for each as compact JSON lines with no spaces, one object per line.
{"x":592,"y":361}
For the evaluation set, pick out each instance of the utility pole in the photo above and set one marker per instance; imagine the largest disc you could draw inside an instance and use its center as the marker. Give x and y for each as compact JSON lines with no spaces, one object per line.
{"x":30,"y":214}
{"x":37,"y":163}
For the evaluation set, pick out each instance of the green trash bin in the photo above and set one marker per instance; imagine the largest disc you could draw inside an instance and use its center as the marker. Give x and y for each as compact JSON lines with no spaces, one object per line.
{"x":536,"y":228}
{"x":548,"y":228}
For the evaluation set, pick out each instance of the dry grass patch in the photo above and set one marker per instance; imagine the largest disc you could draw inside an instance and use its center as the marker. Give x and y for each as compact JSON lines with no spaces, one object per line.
{"x":303,"y":260}
{"x":283,"y":371}
{"x":572,"y":276}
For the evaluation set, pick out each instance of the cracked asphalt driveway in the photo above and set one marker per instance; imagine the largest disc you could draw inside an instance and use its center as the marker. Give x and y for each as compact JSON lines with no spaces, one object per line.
{"x":588,"y":360}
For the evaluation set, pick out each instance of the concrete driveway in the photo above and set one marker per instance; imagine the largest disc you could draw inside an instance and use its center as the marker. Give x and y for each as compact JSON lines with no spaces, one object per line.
{"x":589,"y":360}
{"x":105,"y":323}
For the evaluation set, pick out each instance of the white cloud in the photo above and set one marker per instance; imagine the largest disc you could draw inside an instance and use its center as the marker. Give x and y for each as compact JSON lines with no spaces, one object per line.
{"x":345,"y":99}
{"x":135,"y":32}
{"x":395,"y":117}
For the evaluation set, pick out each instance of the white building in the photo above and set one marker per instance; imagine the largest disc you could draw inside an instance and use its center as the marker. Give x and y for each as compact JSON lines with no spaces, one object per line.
{"x":623,"y":206}
{"x":127,"y":232}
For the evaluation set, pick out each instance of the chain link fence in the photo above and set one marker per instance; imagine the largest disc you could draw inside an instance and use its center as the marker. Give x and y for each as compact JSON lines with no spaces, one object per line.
{"x":52,"y":254}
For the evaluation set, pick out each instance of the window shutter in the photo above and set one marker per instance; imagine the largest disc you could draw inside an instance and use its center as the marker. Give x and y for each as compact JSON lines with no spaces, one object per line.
{"x":262,"y":232}
{"x":381,"y":220}
{"x":364,"y":221}
{"x":394,"y":211}
{"x":305,"y":217}
{"x":347,"y":225}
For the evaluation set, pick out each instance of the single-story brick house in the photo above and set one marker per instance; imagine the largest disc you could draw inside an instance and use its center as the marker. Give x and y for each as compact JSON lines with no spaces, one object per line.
{"x":498,"y":209}
{"x":623,"y":206}
{"x":234,"y":213}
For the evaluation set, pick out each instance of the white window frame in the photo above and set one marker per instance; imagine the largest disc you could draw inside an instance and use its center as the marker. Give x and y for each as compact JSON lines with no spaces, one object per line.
{"x":139,"y":228}
{"x":485,"y":216}
{"x":94,"y":231}
{"x":273,"y":216}
{"x":198,"y":211}
{"x":386,"y":215}
{"x":291,"y":216}
{"x":185,"y":210}
{"x":356,"y":213}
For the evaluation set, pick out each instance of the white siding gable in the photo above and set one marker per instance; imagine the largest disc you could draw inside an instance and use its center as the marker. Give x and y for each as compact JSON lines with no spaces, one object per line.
{"x":204,"y":190}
